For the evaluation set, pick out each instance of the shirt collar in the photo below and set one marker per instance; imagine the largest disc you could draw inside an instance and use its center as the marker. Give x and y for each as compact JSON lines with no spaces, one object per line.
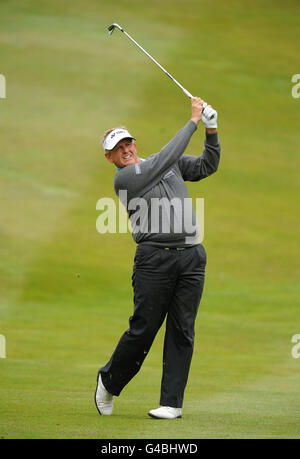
{"x":142,"y":159}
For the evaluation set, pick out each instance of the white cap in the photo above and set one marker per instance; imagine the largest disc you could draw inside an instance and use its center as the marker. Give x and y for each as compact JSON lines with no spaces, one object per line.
{"x":114,"y":137}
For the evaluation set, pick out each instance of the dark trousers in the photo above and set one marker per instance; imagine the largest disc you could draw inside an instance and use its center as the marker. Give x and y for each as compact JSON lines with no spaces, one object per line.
{"x":166,"y":283}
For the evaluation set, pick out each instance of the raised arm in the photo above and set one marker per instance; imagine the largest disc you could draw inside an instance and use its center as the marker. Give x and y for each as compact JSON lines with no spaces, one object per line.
{"x":138,"y":178}
{"x":195,"y":168}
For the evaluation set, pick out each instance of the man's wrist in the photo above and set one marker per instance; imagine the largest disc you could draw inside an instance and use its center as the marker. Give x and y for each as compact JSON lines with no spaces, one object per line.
{"x":195,"y":120}
{"x":211,"y":131}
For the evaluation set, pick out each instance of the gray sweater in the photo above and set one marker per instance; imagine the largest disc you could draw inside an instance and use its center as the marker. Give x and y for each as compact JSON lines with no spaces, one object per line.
{"x":155,"y":194}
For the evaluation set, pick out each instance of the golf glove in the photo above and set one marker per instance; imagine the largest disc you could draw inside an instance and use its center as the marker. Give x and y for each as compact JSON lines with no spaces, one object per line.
{"x":206,"y":118}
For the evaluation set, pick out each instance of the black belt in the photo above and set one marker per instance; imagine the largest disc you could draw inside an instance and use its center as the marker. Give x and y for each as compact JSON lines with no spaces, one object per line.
{"x":175,"y":248}
{"x":167,"y":248}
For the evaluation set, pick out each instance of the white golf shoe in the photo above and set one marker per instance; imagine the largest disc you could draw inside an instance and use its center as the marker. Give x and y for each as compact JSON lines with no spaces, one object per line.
{"x":165,"y":412}
{"x":103,"y":399}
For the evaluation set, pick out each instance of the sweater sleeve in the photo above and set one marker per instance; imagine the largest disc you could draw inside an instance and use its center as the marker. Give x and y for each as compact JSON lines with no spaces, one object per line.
{"x":195,"y":168}
{"x":139,"y":178}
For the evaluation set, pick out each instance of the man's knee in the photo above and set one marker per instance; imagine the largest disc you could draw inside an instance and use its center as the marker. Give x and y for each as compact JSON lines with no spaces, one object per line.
{"x":183,"y":334}
{"x":143,"y":327}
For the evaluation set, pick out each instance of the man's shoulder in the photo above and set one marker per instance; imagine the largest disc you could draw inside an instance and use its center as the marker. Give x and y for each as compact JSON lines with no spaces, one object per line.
{"x":125,"y":175}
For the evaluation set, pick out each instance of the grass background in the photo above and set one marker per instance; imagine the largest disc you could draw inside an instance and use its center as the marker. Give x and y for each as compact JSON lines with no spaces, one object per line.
{"x":67,"y":82}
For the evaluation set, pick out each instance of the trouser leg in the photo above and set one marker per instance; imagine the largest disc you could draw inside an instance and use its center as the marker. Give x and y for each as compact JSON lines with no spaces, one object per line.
{"x":153,"y":290}
{"x":179,"y":337}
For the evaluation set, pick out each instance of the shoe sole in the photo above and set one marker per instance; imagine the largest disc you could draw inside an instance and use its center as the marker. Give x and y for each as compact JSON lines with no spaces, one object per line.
{"x":157,"y":417}
{"x":96,"y":393}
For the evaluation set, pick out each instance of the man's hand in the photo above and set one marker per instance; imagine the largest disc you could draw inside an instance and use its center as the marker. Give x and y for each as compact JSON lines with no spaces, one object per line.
{"x":209,"y":122}
{"x":197,"y":109}
{"x":198,"y":113}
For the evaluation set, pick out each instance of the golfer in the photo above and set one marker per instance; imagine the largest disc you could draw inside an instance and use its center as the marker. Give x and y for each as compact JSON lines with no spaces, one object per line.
{"x":169,"y":264}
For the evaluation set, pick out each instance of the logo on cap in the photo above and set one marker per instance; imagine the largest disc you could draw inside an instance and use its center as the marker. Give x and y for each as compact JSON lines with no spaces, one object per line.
{"x":114,"y":133}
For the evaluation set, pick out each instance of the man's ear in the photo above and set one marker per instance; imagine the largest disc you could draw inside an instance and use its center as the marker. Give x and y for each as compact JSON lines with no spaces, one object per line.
{"x":107,"y":155}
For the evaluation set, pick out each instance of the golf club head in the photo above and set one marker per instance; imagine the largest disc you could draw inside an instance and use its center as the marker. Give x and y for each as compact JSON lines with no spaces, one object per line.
{"x":112,"y":27}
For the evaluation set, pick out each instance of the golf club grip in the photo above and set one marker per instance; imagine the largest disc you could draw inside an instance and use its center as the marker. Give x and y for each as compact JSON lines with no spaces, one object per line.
{"x":187,"y":92}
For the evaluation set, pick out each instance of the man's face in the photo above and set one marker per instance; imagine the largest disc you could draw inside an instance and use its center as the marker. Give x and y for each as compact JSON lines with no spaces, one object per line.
{"x":123,"y":154}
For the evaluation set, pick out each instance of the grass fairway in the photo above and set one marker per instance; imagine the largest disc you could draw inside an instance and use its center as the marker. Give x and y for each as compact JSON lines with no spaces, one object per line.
{"x":67,"y":82}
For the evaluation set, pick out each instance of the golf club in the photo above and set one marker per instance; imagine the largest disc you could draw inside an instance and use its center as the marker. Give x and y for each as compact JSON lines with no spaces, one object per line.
{"x":112,"y":27}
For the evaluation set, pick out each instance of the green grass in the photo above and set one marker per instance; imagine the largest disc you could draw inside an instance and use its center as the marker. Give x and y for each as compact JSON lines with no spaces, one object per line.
{"x":67,"y":82}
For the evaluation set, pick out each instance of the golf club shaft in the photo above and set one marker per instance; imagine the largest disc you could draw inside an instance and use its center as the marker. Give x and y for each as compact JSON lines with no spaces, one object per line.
{"x":160,"y":66}
{"x":111,"y":29}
